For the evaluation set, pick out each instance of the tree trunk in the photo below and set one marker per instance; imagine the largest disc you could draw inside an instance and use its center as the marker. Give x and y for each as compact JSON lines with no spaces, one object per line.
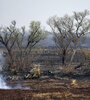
{"x":64,"y":57}
{"x":11,"y":58}
{"x":72,"y":57}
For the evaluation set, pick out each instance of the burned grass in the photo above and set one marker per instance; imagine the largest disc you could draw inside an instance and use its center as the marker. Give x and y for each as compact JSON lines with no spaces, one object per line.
{"x":51,"y":89}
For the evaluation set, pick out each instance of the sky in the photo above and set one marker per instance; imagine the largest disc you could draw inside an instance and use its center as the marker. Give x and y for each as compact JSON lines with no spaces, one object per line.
{"x":24,"y":11}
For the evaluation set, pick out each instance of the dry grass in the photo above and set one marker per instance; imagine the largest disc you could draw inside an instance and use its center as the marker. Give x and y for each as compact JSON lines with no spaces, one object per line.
{"x":86,"y":52}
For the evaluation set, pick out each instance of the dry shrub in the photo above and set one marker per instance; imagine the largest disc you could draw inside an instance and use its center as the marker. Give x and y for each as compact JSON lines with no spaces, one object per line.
{"x":20,"y":61}
{"x":35,"y":71}
{"x":67,"y":69}
{"x":86,"y":52}
{"x":74,"y":83}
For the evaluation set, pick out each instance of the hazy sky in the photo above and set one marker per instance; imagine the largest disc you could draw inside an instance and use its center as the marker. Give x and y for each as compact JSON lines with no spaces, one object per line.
{"x":24,"y":11}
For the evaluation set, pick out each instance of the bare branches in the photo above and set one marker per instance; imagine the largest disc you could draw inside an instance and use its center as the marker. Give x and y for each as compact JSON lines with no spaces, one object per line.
{"x":68,"y":30}
{"x":19,"y":42}
{"x":9,"y":35}
{"x":82,"y":24}
{"x":35,"y":35}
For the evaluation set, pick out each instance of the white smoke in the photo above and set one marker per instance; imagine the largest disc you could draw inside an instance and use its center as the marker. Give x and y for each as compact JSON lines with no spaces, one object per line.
{"x":3,"y":84}
{"x":19,"y":86}
{"x":2,"y":60}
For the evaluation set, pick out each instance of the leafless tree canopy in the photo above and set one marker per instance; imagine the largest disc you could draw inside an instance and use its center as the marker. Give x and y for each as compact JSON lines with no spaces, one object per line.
{"x":19,"y":43}
{"x":68,"y":31}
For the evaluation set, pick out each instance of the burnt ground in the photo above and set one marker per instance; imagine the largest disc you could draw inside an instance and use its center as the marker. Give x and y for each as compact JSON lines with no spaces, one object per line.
{"x":55,"y":83}
{"x":51,"y":89}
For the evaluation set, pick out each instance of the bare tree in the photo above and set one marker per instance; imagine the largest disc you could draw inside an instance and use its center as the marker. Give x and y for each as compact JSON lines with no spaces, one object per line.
{"x":27,"y":40}
{"x":82,"y":27}
{"x":68,"y":31}
{"x":8,"y":37}
{"x":19,"y":42}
